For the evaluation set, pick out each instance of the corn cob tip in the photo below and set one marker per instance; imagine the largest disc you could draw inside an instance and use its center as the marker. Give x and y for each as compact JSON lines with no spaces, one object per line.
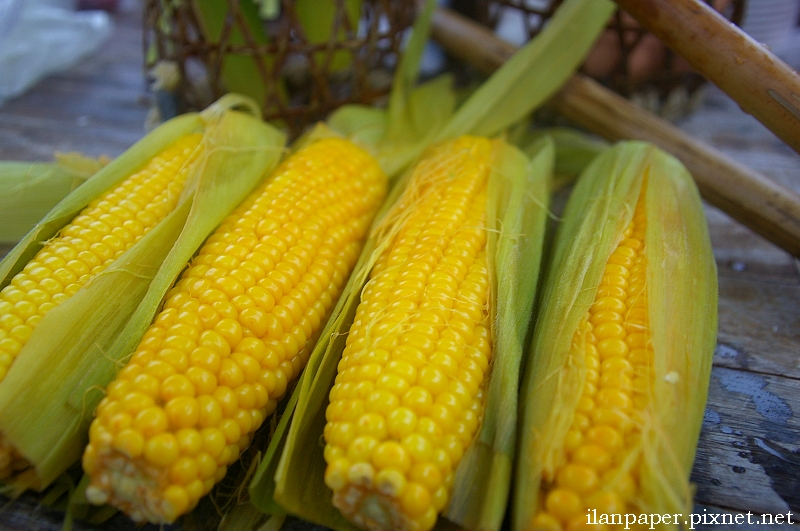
{"x":371,"y":502}
{"x":136,"y":491}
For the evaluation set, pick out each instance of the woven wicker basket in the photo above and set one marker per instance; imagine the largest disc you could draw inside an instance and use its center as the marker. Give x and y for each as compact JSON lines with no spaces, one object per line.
{"x":297,"y":76}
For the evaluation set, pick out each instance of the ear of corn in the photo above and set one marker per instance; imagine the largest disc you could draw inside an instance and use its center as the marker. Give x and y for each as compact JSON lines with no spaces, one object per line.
{"x":235,"y":331}
{"x":83,"y":249}
{"x":53,"y":385}
{"x":614,"y":394}
{"x":29,"y":190}
{"x":471,"y":164}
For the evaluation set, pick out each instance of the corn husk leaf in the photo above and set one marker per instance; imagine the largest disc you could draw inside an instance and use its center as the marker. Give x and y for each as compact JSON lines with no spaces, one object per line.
{"x":51,"y":390}
{"x":682,"y":308}
{"x":29,"y":190}
{"x":517,"y":214}
{"x":534,"y":72}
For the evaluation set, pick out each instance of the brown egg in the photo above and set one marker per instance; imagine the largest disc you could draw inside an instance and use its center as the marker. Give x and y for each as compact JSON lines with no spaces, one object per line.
{"x":647,"y":59}
{"x":603,"y":59}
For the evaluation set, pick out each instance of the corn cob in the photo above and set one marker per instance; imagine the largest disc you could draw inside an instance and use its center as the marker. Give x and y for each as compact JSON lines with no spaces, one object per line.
{"x":131,"y":236}
{"x":408,"y":396}
{"x":108,"y":227}
{"x":234,"y":332}
{"x":614,"y":396}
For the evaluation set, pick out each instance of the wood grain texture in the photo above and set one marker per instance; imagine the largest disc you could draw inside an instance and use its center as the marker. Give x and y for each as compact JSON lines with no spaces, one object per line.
{"x":749,"y":452}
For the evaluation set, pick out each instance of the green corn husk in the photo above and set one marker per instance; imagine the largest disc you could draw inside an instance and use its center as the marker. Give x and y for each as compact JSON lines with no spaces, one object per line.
{"x":48,"y":395}
{"x":29,"y":190}
{"x":517,"y":211}
{"x":682,"y":308}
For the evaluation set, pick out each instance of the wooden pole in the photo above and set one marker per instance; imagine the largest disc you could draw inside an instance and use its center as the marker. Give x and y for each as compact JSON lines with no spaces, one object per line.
{"x":747,"y":71}
{"x":747,"y":196}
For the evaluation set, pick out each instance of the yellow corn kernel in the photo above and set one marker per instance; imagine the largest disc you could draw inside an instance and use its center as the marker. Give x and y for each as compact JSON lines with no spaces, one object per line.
{"x":420,"y":342}
{"x":604,"y":444}
{"x":232,"y":336}
{"x":86,"y":246}
{"x":106,"y":228}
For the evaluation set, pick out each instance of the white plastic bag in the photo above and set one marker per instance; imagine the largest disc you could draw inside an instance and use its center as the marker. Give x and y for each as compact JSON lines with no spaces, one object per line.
{"x":39,"y":37}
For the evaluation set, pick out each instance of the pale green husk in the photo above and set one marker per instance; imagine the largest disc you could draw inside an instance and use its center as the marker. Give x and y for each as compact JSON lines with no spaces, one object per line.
{"x":517,"y":215}
{"x":682,"y":307}
{"x":29,"y":190}
{"x":52,"y":388}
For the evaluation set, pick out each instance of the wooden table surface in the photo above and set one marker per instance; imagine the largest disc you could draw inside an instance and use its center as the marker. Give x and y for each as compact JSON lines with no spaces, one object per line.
{"x":749,"y":452}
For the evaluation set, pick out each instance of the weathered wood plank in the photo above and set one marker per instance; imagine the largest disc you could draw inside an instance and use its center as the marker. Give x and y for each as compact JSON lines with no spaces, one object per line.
{"x":37,"y":139}
{"x":759,"y":324}
{"x":749,"y":452}
{"x":98,"y":107}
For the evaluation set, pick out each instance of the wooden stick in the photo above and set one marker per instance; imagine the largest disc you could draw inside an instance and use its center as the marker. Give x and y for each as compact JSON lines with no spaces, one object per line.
{"x":747,"y":196}
{"x":747,"y":71}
